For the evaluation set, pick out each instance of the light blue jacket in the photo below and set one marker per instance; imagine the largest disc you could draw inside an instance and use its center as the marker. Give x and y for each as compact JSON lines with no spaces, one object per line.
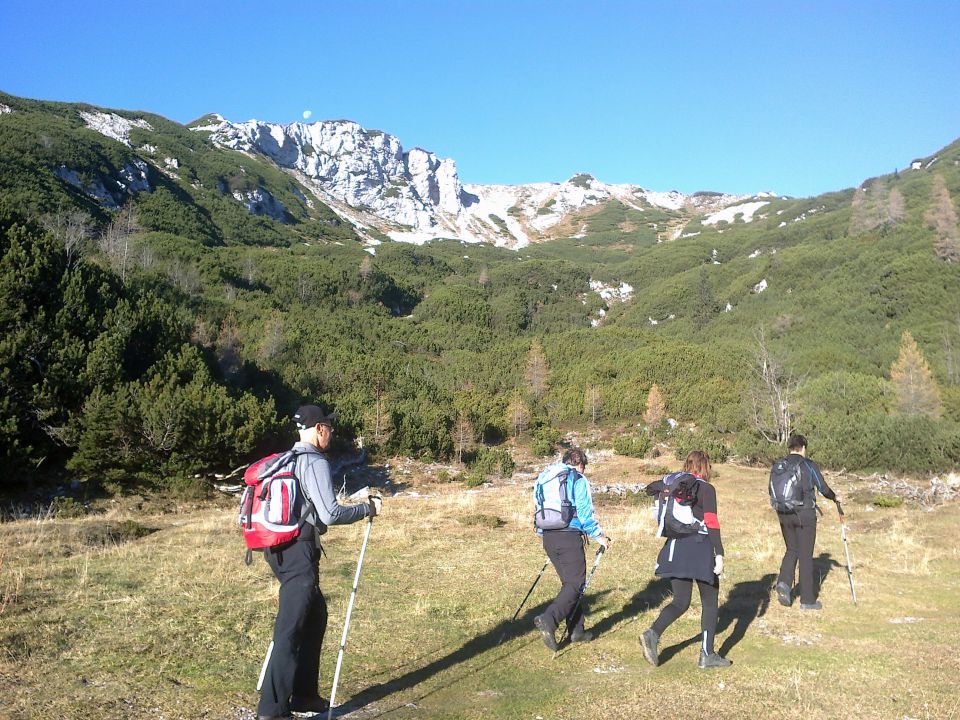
{"x":584,"y":521}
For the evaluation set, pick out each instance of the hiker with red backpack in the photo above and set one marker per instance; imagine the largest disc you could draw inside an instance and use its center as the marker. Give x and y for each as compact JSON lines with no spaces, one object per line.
{"x":563,"y":516}
{"x":693,"y":552}
{"x":794,"y":483}
{"x":291,"y":675}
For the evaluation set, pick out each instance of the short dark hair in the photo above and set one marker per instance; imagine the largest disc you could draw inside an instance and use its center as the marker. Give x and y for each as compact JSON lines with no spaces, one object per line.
{"x":796,"y":442}
{"x":574,"y":457}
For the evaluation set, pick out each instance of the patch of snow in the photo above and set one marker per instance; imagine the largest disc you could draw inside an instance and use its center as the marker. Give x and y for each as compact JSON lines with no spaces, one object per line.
{"x":371,"y":250}
{"x":728,"y":308}
{"x":148,"y":148}
{"x":4,"y":109}
{"x":754,"y":254}
{"x":652,"y":321}
{"x":689,"y":235}
{"x":783,"y":223}
{"x":760,"y":286}
{"x":172,"y":163}
{"x":621,"y":293}
{"x":112,"y":125}
{"x":729,"y":214}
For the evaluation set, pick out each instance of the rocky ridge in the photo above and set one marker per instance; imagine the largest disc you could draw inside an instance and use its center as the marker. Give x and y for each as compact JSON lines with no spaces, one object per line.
{"x":413,"y":196}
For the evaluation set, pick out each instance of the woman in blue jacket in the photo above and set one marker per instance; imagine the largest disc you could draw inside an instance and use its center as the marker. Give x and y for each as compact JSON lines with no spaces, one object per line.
{"x":564,"y":547}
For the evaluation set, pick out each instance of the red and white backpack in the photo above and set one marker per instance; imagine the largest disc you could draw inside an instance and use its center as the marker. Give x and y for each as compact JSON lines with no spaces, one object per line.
{"x":269,"y":505}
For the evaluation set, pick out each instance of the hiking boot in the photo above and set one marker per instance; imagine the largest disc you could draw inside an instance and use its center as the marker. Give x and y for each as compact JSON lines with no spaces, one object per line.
{"x":816,"y":605}
{"x":783,"y":594}
{"x":547,"y":631}
{"x":713,"y":660}
{"x":288,"y":716}
{"x":583,"y":636}
{"x":649,"y":640}
{"x":314,"y":704}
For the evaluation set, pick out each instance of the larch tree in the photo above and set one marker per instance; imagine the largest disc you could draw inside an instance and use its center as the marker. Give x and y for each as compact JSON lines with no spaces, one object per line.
{"x":941,"y":217}
{"x":462,"y":435}
{"x":592,"y":403}
{"x":917,"y":391}
{"x":537,"y":371}
{"x":656,"y":409}
{"x":518,"y":415}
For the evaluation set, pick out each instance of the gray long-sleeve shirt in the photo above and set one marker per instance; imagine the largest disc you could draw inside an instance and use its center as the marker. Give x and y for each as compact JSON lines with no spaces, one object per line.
{"x":313,"y":471}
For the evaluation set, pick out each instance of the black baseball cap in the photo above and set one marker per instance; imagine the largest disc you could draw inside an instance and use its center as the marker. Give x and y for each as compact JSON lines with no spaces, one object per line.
{"x":307,"y":416}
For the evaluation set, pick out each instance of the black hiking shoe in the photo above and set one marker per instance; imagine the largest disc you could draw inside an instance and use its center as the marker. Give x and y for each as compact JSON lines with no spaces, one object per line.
{"x":649,"y":640}
{"x":783,"y":594}
{"x":288,"y":716}
{"x":713,"y":660}
{"x":547,"y":631}
{"x":583,"y":636}
{"x":315,"y":704}
{"x":817,"y":605}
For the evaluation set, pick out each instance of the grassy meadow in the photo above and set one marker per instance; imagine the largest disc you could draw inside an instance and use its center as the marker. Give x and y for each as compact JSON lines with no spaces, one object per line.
{"x":138,"y":613}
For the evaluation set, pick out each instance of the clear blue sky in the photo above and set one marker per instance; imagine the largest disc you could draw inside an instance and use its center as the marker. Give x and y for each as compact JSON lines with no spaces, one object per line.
{"x":795,"y":97}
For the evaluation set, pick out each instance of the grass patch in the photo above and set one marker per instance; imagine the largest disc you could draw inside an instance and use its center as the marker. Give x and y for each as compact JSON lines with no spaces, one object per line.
{"x":171,"y":623}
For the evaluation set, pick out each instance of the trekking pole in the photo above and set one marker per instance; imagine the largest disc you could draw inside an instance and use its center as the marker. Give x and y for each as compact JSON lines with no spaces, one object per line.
{"x":525,"y":597}
{"x":346,"y":622}
{"x":266,"y":662}
{"x":583,"y":590}
{"x":846,"y":551}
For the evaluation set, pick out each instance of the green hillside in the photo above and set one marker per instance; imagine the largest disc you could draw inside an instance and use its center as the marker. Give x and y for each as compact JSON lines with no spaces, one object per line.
{"x":155,"y":333}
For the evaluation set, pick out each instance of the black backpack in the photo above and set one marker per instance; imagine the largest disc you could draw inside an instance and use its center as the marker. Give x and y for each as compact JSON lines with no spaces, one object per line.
{"x":786,"y":485}
{"x":673,"y":507}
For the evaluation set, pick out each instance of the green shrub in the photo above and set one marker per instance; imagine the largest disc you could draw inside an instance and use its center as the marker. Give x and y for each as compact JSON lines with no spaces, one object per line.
{"x":493,"y":461}
{"x":67,"y":507}
{"x":686,"y":442}
{"x":887,"y":501}
{"x":482,"y":520}
{"x":633,"y":445}
{"x":474,"y":479}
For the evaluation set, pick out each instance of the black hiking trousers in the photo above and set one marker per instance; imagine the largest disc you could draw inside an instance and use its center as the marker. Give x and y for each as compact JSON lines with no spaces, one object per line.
{"x":709,"y":604}
{"x":565,"y":550}
{"x":294,"y":667}
{"x":799,"y":534}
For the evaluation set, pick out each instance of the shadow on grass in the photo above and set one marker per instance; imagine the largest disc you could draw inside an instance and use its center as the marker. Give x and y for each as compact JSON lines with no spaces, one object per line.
{"x":487,"y":642}
{"x":822,"y":565}
{"x":746,"y":601}
{"x":651,"y":597}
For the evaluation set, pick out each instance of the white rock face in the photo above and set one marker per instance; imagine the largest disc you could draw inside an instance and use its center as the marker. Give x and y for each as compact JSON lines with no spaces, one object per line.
{"x":261,"y":202}
{"x":729,"y":214}
{"x":112,"y":125}
{"x":4,"y":109}
{"x":415,"y":196}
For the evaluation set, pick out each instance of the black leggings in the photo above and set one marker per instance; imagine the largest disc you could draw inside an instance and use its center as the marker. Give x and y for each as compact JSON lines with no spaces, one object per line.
{"x":709,"y":600}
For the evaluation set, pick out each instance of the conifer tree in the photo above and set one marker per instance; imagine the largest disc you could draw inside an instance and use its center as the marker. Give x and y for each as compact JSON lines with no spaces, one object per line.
{"x":917,"y":392}
{"x":537,"y":371}
{"x":656,"y":409}
{"x":941,"y":217}
{"x":592,"y":403}
{"x":518,"y":415}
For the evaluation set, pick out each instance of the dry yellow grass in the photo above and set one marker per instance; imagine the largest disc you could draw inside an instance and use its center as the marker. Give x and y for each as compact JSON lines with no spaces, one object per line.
{"x":174,"y":625}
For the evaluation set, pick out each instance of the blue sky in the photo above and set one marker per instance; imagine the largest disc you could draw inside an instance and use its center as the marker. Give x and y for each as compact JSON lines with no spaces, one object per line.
{"x":797,"y":98}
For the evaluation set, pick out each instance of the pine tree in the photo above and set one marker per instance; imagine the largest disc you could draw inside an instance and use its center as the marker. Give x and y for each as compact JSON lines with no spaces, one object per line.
{"x":917,"y":392}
